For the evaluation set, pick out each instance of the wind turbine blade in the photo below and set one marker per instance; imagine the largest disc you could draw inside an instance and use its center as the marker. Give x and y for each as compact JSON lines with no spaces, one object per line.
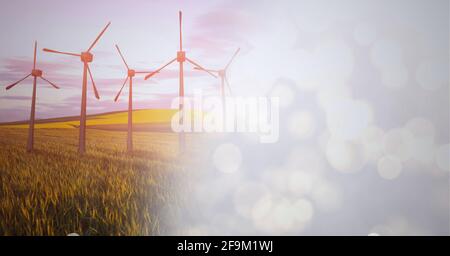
{"x":210,"y":70}
{"x":118,"y":94}
{"x":14,"y":84}
{"x":98,"y":37}
{"x":228,"y":85}
{"x":144,"y":72}
{"x":232,"y":58}
{"x":34,"y":61}
{"x":200,"y":67}
{"x":52,"y":84}
{"x":159,"y":69}
{"x":66,"y":53}
{"x":180,"y":17}
{"x":93,"y":83}
{"x":120,"y":53}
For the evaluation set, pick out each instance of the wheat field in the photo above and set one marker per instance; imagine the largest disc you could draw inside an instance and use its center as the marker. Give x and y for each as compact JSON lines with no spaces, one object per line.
{"x":54,"y":191}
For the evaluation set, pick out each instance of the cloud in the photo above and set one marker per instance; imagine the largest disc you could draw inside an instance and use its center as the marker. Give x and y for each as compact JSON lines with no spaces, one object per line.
{"x":18,"y":67}
{"x":219,"y":30}
{"x":14,"y":98}
{"x":20,"y":64}
{"x":13,"y":115}
{"x":224,"y":23}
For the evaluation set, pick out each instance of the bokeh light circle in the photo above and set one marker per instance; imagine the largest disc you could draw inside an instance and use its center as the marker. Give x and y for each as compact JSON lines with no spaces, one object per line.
{"x":227,"y":158}
{"x":301,"y":124}
{"x":389,"y":167}
{"x":443,"y":157}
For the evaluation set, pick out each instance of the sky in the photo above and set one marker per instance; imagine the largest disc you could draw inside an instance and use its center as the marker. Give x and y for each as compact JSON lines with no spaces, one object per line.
{"x":146,"y":32}
{"x":364,"y":102}
{"x":276,"y":40}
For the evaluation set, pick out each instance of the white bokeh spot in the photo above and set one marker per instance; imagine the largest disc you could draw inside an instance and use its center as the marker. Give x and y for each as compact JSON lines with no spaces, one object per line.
{"x":227,"y":158}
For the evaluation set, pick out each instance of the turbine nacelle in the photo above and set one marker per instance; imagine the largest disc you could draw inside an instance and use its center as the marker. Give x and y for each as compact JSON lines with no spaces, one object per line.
{"x":222,"y":73}
{"x":131,"y":72}
{"x":181,"y":56}
{"x":87,"y":57}
{"x":36,"y":73}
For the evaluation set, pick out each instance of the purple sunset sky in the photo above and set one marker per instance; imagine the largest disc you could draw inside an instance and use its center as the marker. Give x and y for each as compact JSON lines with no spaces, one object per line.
{"x":146,"y":31}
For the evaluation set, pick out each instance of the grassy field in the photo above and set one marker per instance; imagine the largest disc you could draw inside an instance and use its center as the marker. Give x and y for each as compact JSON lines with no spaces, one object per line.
{"x":140,"y":117}
{"x":54,"y":191}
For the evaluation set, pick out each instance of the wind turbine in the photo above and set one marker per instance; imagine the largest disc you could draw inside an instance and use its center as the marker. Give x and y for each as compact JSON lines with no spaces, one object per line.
{"x":222,"y":73}
{"x":130,"y":75}
{"x":86,"y":57}
{"x":35,"y":73}
{"x":181,"y":58}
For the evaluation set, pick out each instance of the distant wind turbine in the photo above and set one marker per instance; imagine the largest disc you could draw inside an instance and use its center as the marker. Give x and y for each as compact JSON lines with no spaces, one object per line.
{"x":181,"y":58}
{"x":222,"y":73}
{"x":86,"y":58}
{"x":130,"y":74}
{"x":35,"y":73}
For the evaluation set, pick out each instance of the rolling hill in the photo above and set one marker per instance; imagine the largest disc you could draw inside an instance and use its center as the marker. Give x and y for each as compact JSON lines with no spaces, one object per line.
{"x":143,"y":120}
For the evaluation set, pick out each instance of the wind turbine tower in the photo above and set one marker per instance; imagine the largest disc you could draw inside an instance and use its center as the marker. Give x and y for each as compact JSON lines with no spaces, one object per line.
{"x":181,"y":58}
{"x":35,"y":73}
{"x":86,"y":57}
{"x":222,"y":73}
{"x":130,"y":74}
